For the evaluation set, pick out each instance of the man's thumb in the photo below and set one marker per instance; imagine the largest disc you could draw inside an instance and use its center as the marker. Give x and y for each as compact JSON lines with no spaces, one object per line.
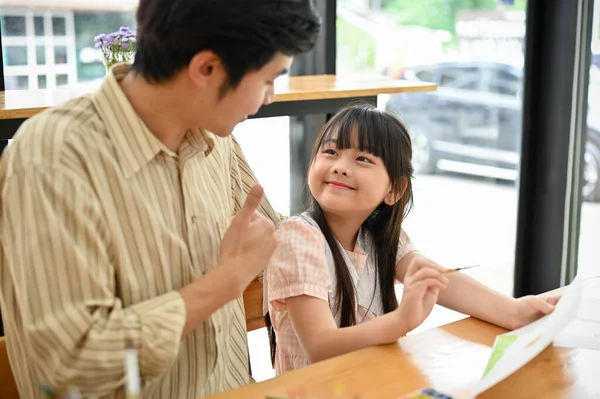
{"x":253,"y":200}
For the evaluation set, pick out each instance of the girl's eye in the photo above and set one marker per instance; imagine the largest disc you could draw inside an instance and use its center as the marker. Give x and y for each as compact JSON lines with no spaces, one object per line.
{"x":329,"y":151}
{"x":363,"y":159}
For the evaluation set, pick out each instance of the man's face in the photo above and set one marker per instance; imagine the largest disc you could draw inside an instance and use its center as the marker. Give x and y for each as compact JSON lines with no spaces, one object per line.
{"x":254,"y":90}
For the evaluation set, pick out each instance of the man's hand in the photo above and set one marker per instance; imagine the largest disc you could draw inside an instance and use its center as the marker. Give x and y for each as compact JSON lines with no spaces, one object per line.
{"x":249,"y":241}
{"x":244,"y":252}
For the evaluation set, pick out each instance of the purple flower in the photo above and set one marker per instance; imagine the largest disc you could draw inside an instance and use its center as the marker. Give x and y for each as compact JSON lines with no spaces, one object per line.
{"x":117,"y":46}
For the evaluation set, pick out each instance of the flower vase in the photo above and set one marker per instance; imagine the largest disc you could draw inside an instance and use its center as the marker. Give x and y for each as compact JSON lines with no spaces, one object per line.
{"x":123,"y":58}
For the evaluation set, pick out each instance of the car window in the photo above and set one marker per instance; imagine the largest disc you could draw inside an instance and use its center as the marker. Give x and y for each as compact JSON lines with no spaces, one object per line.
{"x":504,"y":82}
{"x":465,"y":78}
{"x":426,"y":75}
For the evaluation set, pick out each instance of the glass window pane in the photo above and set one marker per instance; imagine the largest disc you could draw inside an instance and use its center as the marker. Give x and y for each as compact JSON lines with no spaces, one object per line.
{"x":426,"y":75}
{"x":16,"y":82}
{"x":589,"y":250}
{"x":13,"y":26}
{"x":504,"y":82}
{"x":466,"y":146}
{"x":60,"y":55}
{"x":41,"y":81}
{"x":40,"y":55}
{"x":59,"y":27}
{"x":15,"y":56}
{"x":62,"y":80}
{"x":466,"y":78}
{"x":38,"y":26}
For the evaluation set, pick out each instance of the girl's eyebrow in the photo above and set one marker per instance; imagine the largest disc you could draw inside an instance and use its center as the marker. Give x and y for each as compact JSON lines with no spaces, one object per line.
{"x":333,"y":142}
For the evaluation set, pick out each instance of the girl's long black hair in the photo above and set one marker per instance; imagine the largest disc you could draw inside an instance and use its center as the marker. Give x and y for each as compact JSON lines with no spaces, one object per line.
{"x":385,"y":136}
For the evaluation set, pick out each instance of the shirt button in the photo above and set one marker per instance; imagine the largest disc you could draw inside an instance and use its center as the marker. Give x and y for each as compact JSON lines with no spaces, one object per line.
{"x":219,"y":329}
{"x":194,"y":219}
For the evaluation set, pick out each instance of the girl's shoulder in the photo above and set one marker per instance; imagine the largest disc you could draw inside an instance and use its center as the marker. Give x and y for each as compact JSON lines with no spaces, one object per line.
{"x":301,"y":224}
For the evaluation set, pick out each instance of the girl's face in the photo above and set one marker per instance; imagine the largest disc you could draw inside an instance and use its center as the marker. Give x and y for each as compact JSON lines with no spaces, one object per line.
{"x":348,"y":181}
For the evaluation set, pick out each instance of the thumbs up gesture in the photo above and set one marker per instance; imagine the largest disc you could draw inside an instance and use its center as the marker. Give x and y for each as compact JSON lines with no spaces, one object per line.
{"x":249,"y":241}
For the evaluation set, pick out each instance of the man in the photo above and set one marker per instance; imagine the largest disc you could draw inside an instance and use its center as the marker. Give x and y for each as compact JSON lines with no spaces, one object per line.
{"x":116,"y":212}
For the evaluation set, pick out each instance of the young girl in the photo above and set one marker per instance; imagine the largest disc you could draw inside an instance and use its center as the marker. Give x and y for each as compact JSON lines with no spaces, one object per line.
{"x":329,"y":286}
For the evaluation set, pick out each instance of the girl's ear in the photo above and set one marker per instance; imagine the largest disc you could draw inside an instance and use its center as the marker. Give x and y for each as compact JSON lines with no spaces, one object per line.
{"x":394,"y":196}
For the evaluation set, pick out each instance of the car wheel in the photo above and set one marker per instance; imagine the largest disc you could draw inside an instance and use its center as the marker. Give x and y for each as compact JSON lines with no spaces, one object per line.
{"x":591,"y":172}
{"x":423,"y":160}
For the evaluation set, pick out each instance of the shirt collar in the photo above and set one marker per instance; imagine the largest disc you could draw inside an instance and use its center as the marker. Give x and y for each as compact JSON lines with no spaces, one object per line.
{"x":134,"y":143}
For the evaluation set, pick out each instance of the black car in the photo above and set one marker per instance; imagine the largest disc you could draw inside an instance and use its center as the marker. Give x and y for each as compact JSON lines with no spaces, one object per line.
{"x":472,"y":123}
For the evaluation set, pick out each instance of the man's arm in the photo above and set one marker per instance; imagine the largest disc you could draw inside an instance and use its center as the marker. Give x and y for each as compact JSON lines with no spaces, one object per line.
{"x":244,"y":252}
{"x":58,"y":251}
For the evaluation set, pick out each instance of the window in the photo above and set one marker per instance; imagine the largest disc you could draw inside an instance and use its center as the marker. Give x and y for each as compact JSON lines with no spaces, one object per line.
{"x":466,"y":143}
{"x":504,"y":82}
{"x":13,"y":26}
{"x":589,"y":251}
{"x":15,"y":55}
{"x":426,"y":75}
{"x":466,"y":78}
{"x":49,"y":47}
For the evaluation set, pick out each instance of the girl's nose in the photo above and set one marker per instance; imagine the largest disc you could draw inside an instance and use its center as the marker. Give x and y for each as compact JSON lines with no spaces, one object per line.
{"x":339,"y":171}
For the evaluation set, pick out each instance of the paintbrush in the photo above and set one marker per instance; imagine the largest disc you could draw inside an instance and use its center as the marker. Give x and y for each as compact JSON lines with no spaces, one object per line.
{"x":457,"y":269}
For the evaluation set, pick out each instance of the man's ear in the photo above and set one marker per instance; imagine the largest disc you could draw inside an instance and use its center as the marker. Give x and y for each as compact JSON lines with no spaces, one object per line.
{"x":204,"y":68}
{"x":395,"y":195}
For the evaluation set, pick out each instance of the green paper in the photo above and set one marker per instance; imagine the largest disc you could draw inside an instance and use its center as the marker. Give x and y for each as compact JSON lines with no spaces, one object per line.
{"x":503,"y":342}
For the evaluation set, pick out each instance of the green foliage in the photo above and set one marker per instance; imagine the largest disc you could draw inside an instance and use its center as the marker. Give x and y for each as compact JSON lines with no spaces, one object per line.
{"x":355,"y":48}
{"x":440,"y":14}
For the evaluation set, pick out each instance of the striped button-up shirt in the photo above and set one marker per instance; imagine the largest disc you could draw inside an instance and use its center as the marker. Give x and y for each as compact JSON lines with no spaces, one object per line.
{"x":100,"y":225}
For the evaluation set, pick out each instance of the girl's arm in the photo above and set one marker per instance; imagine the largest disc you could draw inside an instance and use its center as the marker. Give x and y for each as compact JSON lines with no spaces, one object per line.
{"x":466,"y":295}
{"x":321,"y":339}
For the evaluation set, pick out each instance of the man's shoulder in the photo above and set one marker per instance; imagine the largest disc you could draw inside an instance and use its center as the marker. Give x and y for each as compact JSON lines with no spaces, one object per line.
{"x":46,"y":139}
{"x":224,"y":144}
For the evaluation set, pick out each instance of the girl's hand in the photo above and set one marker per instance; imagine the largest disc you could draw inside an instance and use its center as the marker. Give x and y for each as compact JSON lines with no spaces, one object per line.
{"x":422,"y":284}
{"x":529,"y":308}
{"x":552,"y":297}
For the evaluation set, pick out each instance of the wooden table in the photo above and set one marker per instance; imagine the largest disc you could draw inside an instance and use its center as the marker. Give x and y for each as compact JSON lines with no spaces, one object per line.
{"x":451,"y":357}
{"x":295,"y":96}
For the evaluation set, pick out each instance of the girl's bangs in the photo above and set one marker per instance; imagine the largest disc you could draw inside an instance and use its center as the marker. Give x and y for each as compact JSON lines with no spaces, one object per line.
{"x":360,"y":128}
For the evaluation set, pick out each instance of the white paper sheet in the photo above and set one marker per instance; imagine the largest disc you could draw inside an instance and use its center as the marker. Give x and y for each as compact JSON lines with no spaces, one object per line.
{"x":513,"y":350}
{"x":584,"y":330}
